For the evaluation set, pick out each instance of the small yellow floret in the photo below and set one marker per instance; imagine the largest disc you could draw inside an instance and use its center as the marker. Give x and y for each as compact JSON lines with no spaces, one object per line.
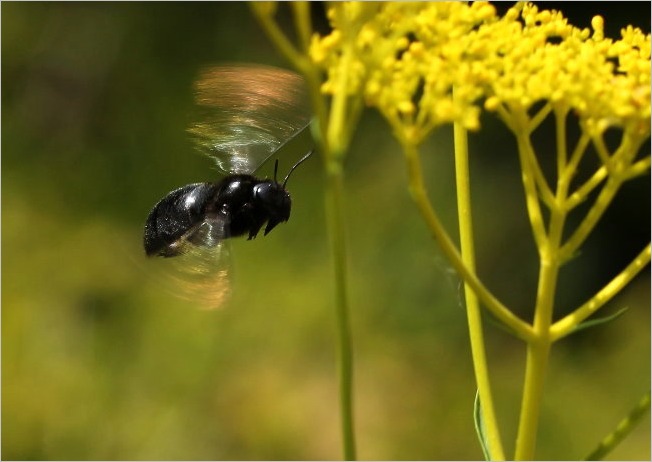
{"x":406,"y":107}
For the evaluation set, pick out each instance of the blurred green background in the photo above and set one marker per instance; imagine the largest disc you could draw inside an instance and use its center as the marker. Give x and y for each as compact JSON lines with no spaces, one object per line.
{"x":99,"y":363}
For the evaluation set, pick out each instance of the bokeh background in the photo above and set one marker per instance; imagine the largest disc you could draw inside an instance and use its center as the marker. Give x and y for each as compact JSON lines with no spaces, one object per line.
{"x":98,"y":362}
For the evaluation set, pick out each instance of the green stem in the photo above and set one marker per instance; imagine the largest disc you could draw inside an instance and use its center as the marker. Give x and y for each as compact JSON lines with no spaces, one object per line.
{"x":640,"y":167}
{"x":472,"y":306}
{"x":300,"y":61}
{"x":526,"y":152}
{"x":624,"y":427}
{"x":418,"y":191}
{"x":562,"y":150}
{"x":605,"y":197}
{"x":539,"y":117}
{"x":336,"y":230}
{"x":302,"y":24}
{"x":335,"y":135}
{"x":535,"y":371}
{"x":337,"y":131}
{"x":277,"y":36}
{"x":328,"y":134}
{"x":538,"y":349}
{"x":617,"y":166}
{"x":583,"y":191}
{"x":538,"y":352}
{"x":577,"y":154}
{"x":568,"y":323}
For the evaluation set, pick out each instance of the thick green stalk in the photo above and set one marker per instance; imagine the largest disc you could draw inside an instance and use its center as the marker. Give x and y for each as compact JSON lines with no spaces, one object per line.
{"x":538,"y":351}
{"x":331,"y":135}
{"x":538,"y":348}
{"x":336,"y":142}
{"x":472,"y":306}
{"x":336,"y":230}
{"x":535,"y":371}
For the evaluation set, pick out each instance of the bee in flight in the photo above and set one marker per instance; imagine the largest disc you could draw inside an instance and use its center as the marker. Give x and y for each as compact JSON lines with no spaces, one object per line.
{"x":246,"y":114}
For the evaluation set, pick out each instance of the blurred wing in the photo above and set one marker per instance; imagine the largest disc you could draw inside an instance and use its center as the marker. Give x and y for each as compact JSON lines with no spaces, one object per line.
{"x":246,"y":112}
{"x":199,"y":272}
{"x":202,"y":275}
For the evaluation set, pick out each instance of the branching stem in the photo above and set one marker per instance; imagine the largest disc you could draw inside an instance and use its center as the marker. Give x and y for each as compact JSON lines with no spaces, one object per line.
{"x":474,"y":316}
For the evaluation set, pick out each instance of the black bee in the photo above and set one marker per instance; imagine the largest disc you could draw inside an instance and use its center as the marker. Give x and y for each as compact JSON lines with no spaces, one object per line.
{"x":246,"y":114}
{"x":203,"y":214}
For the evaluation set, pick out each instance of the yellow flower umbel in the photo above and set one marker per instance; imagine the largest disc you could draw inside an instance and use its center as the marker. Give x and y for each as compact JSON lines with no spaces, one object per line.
{"x":605,"y":83}
{"x":432,"y":63}
{"x":542,"y":65}
{"x":405,"y":58}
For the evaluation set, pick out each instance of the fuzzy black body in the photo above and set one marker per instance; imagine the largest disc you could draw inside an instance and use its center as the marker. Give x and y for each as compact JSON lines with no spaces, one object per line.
{"x":204,"y":214}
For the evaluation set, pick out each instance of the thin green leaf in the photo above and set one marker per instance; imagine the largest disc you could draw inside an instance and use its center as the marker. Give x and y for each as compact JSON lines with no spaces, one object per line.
{"x":480,"y":428}
{"x":596,"y":322}
{"x":624,"y":427}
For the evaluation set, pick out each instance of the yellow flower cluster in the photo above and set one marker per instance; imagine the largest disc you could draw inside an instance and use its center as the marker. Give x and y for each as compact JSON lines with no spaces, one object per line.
{"x":537,"y":56}
{"x":428,"y":63}
{"x":405,"y":58}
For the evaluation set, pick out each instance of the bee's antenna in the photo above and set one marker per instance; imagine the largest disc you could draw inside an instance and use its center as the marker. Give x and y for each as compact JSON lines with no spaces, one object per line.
{"x":294,"y":166}
{"x":276,"y":171}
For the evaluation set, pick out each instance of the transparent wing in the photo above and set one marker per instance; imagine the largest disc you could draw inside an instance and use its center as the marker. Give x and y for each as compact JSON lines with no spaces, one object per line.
{"x":202,"y":275}
{"x":199,"y":271}
{"x":246,"y":112}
